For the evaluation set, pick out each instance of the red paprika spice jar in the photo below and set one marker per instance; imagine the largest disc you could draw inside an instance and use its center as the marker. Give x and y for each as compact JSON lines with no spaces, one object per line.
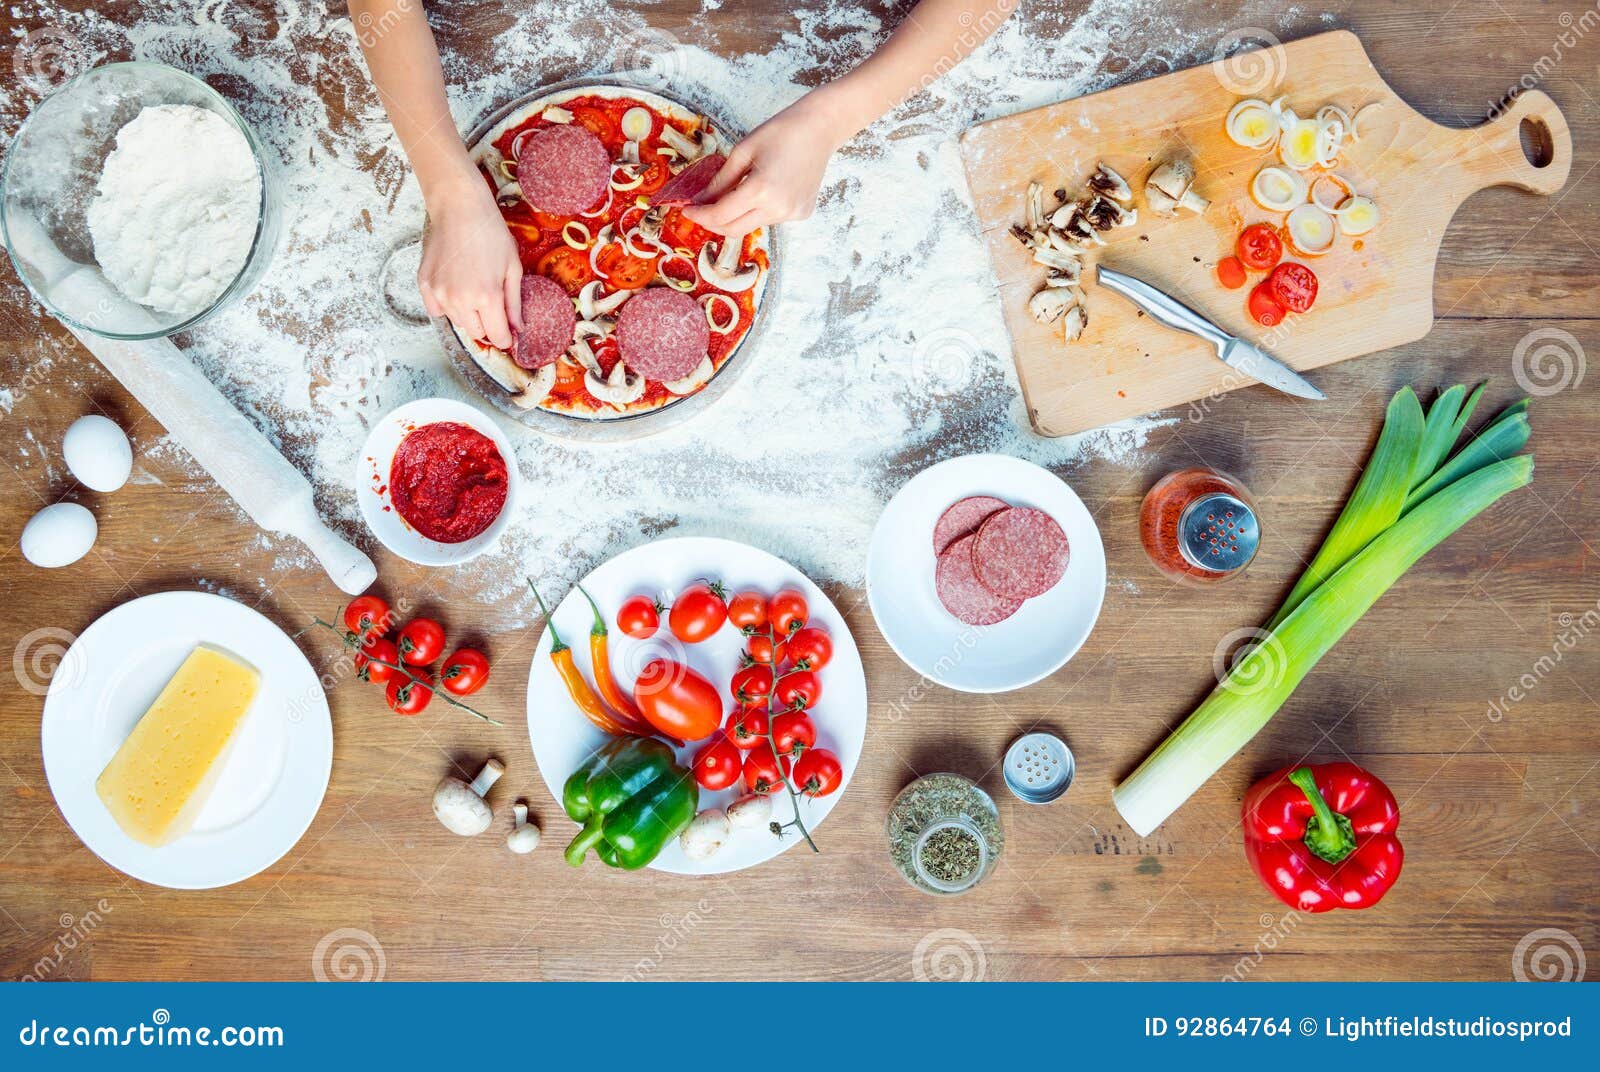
{"x":1199,"y":526}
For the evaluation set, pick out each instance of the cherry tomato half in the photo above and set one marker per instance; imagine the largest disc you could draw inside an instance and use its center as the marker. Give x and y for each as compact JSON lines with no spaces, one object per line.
{"x":793,"y":731}
{"x":762,"y":773}
{"x":787,"y":611}
{"x":818,"y":772}
{"x":698,"y":612}
{"x":639,"y":617}
{"x":464,"y":672}
{"x":1259,"y":246}
{"x":407,"y":697}
{"x":368,"y":614}
{"x":1264,"y":307}
{"x":1294,"y":286}
{"x":763,"y":652}
{"x":751,"y":685}
{"x":376,"y":647}
{"x":1230,"y":273}
{"x":797,"y":690}
{"x":718,"y":764}
{"x":421,"y":641}
{"x":748,"y":612}
{"x":810,"y":649}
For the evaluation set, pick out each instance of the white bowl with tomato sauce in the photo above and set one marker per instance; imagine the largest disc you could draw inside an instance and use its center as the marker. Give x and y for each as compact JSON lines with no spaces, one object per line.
{"x":440,"y":513}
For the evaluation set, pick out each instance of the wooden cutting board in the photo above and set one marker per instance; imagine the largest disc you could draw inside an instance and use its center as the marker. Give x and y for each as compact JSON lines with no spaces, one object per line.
{"x":1374,"y":293}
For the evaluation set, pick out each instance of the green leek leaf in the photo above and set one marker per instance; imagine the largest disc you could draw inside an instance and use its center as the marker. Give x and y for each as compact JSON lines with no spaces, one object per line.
{"x":1505,"y":435}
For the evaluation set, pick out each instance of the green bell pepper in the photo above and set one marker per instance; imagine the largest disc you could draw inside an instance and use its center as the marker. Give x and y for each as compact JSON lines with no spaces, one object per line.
{"x":632,"y":798}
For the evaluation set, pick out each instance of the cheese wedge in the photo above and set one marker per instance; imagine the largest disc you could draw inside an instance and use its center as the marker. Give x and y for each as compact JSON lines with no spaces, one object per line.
{"x":161,"y":776}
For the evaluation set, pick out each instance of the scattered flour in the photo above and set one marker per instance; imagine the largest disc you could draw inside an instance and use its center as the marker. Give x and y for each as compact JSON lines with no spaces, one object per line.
{"x":176,"y":208}
{"x":886,"y":351}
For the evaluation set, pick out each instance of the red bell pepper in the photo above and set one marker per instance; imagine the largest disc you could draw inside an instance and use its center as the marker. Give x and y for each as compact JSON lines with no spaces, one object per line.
{"x":1323,"y":837}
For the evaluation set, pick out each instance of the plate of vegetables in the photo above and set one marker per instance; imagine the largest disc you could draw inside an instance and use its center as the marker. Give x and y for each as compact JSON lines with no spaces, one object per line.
{"x":697,"y":706}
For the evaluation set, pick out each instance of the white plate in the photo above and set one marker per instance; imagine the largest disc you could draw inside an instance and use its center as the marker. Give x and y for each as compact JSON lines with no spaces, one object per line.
{"x":562,"y":738}
{"x":1031,"y":644}
{"x":275,"y":775}
{"x":372,"y":482}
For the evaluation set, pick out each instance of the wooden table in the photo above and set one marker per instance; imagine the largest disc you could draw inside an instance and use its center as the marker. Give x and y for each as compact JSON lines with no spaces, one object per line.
{"x":1500,"y":821}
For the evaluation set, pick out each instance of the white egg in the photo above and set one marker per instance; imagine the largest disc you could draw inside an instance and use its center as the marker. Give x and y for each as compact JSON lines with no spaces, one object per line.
{"x":58,"y":535}
{"x":98,"y":453}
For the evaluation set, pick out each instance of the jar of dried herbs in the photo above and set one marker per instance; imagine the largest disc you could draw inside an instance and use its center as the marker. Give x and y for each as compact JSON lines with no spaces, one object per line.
{"x":944,"y":834}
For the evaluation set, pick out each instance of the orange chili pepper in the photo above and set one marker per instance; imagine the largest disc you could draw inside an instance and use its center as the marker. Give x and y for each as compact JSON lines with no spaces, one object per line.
{"x":572,"y":678}
{"x":619,"y":702}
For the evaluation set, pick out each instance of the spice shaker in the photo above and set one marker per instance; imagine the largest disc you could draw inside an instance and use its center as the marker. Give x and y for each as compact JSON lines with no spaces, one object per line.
{"x":944,"y":834}
{"x":1199,"y":526}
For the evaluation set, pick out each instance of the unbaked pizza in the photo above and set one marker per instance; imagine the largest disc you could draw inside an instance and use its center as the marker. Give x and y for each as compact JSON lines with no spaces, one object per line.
{"x":627,"y":306}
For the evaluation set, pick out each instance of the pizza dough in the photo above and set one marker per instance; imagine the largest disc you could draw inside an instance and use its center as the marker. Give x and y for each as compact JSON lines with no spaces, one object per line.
{"x":1020,"y":553}
{"x":548,"y":320}
{"x":662,"y":333}
{"x":563,"y":169}
{"x":686,"y":186}
{"x":962,"y":517}
{"x":955,"y":579}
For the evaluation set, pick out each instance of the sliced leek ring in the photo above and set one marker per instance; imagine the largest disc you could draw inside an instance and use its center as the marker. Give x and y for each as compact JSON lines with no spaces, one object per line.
{"x":1278,"y":189}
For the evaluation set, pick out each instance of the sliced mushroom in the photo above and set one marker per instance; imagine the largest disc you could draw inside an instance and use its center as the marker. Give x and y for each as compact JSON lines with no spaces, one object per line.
{"x":1076,"y":320}
{"x":1035,"y":206}
{"x":1064,"y":277}
{"x":1105,"y":214}
{"x":619,"y":389}
{"x":689,"y":149}
{"x":1051,"y":303}
{"x":591,"y":306}
{"x":527,"y":387}
{"x":1172,"y":182}
{"x":1108,"y":183}
{"x":555,"y":114}
{"x":724,"y":272}
{"x":650,"y":223}
{"x":688,"y":384}
{"x":1061,"y":260}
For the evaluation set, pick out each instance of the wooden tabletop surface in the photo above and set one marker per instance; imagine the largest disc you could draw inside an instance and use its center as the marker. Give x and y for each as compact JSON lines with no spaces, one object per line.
{"x":1499,"y":821}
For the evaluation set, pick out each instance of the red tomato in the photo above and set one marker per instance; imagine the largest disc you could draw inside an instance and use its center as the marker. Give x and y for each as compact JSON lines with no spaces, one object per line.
{"x":639,"y":617}
{"x":818,"y":773}
{"x":1264,"y":307}
{"x":698,"y":612}
{"x":654,"y":177}
{"x":624,"y":271}
{"x":1259,"y":246}
{"x":799,"y":689}
{"x":748,"y":612}
{"x":751,"y":685}
{"x":677,"y":701}
{"x":718,"y":764}
{"x":598,"y":123}
{"x":761,"y":771}
{"x":368,"y":614}
{"x":810,"y":649}
{"x":1230,"y":273}
{"x":793,"y":731}
{"x":421,"y":641}
{"x":1294,"y":285}
{"x":747,"y":727}
{"x":566,"y":266}
{"x":763,"y":653}
{"x":465,"y":672}
{"x":407,"y":697}
{"x":787,"y":611}
{"x":376,"y":647}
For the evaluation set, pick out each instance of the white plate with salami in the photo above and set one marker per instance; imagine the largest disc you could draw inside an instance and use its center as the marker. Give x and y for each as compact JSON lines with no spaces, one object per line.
{"x":562,"y":738}
{"x":986,"y":573}
{"x":632,"y":314}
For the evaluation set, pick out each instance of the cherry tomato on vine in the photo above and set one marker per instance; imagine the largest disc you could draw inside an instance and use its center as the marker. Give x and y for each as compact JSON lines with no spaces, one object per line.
{"x":751,"y":685}
{"x":762,"y":653}
{"x":698,"y":612}
{"x":376,"y":647}
{"x":747,"y":727}
{"x":798,"y":690}
{"x":787,"y":611}
{"x":748,"y":612}
{"x":639,"y":617}
{"x":792,"y":731}
{"x":810,"y":649}
{"x":464,"y":672}
{"x":718,"y":764}
{"x":407,"y":697}
{"x":761,"y":772}
{"x":368,"y":614}
{"x":817,"y":772}
{"x":1259,"y":246}
{"x":421,"y":641}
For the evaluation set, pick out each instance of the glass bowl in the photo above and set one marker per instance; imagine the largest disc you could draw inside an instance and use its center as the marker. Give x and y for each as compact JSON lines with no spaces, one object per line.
{"x":50,"y":177}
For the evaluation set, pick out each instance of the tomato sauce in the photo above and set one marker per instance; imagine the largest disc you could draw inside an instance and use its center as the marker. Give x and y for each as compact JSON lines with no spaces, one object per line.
{"x":543,"y":250}
{"x":448,"y":481}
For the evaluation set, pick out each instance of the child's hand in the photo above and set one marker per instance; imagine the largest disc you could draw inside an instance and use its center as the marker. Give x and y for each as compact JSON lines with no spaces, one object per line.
{"x":470,"y":269}
{"x":772,"y":175}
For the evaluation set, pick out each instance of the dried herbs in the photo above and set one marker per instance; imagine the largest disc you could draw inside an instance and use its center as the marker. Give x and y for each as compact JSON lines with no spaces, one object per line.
{"x":944,"y":833}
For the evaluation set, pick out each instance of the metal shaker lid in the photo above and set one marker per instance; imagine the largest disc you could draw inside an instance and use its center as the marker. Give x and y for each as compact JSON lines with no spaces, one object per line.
{"x":1219,"y":533}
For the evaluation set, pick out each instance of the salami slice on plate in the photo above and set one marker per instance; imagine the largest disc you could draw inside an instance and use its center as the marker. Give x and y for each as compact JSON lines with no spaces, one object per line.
{"x":662,"y":333}
{"x":962,"y":593}
{"x":686,"y":186}
{"x":548,"y":320}
{"x":563,"y":169}
{"x":1020,"y":552}
{"x":962,"y":517}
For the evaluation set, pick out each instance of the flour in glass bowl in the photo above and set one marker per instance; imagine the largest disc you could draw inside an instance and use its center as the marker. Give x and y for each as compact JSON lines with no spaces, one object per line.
{"x":176,"y":208}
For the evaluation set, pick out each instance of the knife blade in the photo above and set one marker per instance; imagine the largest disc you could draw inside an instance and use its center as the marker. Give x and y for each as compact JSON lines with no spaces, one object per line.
{"x":1234,"y":352}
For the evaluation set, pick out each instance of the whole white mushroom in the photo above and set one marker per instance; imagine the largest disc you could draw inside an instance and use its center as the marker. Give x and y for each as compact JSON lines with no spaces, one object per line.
{"x":460,"y":805}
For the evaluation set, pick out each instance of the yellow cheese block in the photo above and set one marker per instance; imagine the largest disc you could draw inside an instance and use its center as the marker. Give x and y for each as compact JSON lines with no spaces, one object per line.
{"x":159,"y":779}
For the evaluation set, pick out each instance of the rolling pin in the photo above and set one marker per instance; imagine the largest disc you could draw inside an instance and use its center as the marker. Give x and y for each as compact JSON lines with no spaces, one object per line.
{"x":274,"y":493}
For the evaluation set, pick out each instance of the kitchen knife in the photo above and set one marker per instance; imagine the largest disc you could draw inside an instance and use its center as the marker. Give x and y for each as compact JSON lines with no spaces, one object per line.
{"x":1234,"y":352}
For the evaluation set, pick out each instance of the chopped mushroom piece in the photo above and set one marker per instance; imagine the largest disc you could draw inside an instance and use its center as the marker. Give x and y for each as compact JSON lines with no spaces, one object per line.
{"x":687,"y":384}
{"x":1051,"y":303}
{"x":1061,"y":260}
{"x":619,"y":388}
{"x":1108,"y":183}
{"x":1064,"y":277}
{"x":1105,"y":214}
{"x":724,"y":271}
{"x":524,"y":837}
{"x":1076,"y":320}
{"x":1035,"y":206}
{"x":1170,"y":187}
{"x":460,"y":806}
